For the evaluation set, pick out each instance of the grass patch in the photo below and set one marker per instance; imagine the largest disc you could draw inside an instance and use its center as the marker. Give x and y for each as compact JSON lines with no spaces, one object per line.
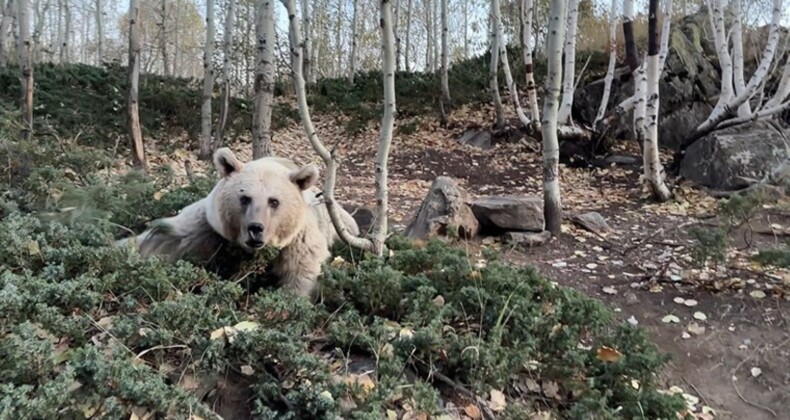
{"x":91,"y":330}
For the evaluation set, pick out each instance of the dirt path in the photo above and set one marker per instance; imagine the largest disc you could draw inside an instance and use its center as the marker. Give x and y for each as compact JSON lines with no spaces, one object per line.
{"x":642,"y":267}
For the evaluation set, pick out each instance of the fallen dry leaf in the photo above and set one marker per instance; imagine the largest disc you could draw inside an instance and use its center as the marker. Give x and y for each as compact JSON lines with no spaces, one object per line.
{"x":608,"y":354}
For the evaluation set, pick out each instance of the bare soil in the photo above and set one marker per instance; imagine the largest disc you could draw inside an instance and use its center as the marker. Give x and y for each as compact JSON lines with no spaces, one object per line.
{"x":640,"y":268}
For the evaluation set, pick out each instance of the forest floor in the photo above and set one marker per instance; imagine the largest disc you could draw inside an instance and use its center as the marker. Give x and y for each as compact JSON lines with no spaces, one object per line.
{"x":726,"y":327}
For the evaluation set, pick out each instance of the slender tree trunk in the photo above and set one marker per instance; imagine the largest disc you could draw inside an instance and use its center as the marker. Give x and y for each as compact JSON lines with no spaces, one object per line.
{"x":436,"y":36}
{"x":176,"y":33}
{"x":552,"y":202}
{"x":208,"y":84}
{"x":227,"y":51}
{"x":637,"y":70}
{"x":264,"y":82}
{"x":527,"y":11}
{"x":135,"y":134}
{"x":308,"y":41}
{"x":380,"y":228}
{"x":607,"y":86}
{"x":395,"y":24}
{"x":445,"y":57}
{"x":406,"y":51}
{"x":465,"y":11}
{"x":5,"y":24}
{"x":511,"y":84}
{"x":99,"y":33}
{"x":783,"y":90}
{"x":338,"y":39}
{"x":566,"y":105}
{"x":65,"y":52}
{"x":653,"y":171}
{"x":429,"y":36}
{"x":376,"y":245}
{"x":723,"y":110}
{"x":25,"y":67}
{"x":163,"y":39}
{"x":737,"y":57}
{"x":716,"y":16}
{"x":493,"y":75}
{"x":352,"y":64}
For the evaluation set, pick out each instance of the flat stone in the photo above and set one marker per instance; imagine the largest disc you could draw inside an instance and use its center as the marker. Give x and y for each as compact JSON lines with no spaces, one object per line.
{"x":592,"y":221}
{"x":510,"y":213}
{"x":528,"y":239}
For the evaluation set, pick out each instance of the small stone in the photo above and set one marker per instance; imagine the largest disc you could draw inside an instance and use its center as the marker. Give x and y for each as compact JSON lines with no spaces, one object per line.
{"x":593,"y":222}
{"x":631,"y":299}
{"x":700,"y":316}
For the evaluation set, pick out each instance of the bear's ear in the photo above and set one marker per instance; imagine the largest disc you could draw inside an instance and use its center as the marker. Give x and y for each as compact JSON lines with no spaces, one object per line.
{"x":225,"y":162}
{"x":305,"y":176}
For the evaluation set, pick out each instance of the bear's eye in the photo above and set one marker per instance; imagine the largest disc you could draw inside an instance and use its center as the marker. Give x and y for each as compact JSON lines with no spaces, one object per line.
{"x":245,"y":200}
{"x":274,"y":203}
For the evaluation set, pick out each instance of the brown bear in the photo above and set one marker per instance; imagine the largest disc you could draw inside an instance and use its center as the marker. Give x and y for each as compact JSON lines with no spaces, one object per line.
{"x":265,"y":202}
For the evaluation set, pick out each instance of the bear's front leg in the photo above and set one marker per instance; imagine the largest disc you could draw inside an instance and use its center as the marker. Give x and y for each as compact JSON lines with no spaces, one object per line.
{"x":299,"y":264}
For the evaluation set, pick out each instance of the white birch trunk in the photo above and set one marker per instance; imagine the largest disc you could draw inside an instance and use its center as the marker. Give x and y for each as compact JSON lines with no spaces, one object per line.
{"x":436,"y":36}
{"x":134,"y":85}
{"x":716,"y":16}
{"x":465,"y":11}
{"x":380,"y":227}
{"x":653,"y":171}
{"x":295,"y":44}
{"x":406,"y":51}
{"x":566,"y":105}
{"x":607,"y":83}
{"x":395,"y":24}
{"x":352,"y":69}
{"x":264,"y":81}
{"x":338,"y":39}
{"x":25,"y":67}
{"x":227,"y":51}
{"x":552,"y":202}
{"x":65,"y":48}
{"x":208,"y":84}
{"x":721,"y":112}
{"x":527,"y":12}
{"x":665,"y":23}
{"x":99,"y":33}
{"x":737,"y":56}
{"x":511,"y":84}
{"x":445,"y":56}
{"x":307,"y":38}
{"x":163,"y":39}
{"x":176,"y":35}
{"x":783,"y":90}
{"x":429,"y":36}
{"x":5,"y":25}
{"x":493,"y":75}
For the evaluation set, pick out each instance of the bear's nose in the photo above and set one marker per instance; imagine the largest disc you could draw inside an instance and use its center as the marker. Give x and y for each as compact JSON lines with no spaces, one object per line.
{"x":255,"y":231}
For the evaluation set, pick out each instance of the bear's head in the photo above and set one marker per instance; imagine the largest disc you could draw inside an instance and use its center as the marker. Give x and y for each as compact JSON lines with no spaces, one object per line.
{"x":261,"y":203}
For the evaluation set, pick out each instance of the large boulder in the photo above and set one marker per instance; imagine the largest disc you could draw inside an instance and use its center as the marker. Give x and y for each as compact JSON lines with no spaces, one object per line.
{"x":444,"y":211}
{"x":732,"y":158}
{"x":510,"y":213}
{"x":690,"y":79}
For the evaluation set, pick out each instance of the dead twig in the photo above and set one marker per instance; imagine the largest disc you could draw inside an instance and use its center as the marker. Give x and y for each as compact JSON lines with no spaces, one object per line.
{"x":484,"y":409}
{"x":702,"y":397}
{"x":755,"y":405}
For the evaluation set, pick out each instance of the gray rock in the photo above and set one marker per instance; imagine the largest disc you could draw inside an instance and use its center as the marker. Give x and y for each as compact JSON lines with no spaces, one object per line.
{"x":511,"y":213}
{"x":476,"y":138}
{"x":736,"y":157}
{"x":592,"y":221}
{"x":444,"y":211}
{"x":689,"y":80}
{"x":675,"y":126}
{"x":528,"y":239}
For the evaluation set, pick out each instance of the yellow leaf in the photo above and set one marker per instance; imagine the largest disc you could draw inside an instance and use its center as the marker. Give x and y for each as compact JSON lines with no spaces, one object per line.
{"x":608,"y":354}
{"x":33,"y":248}
{"x":472,"y":411}
{"x":497,"y":402}
{"x":218,"y":333}
{"x":158,"y":195}
{"x":246,"y":326}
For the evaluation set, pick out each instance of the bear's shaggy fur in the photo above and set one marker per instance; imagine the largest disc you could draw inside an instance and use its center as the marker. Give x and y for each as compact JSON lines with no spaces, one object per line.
{"x":265,"y":202}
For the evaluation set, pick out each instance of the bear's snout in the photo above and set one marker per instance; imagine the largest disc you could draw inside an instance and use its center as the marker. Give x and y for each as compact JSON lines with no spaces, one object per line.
{"x":255,"y":235}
